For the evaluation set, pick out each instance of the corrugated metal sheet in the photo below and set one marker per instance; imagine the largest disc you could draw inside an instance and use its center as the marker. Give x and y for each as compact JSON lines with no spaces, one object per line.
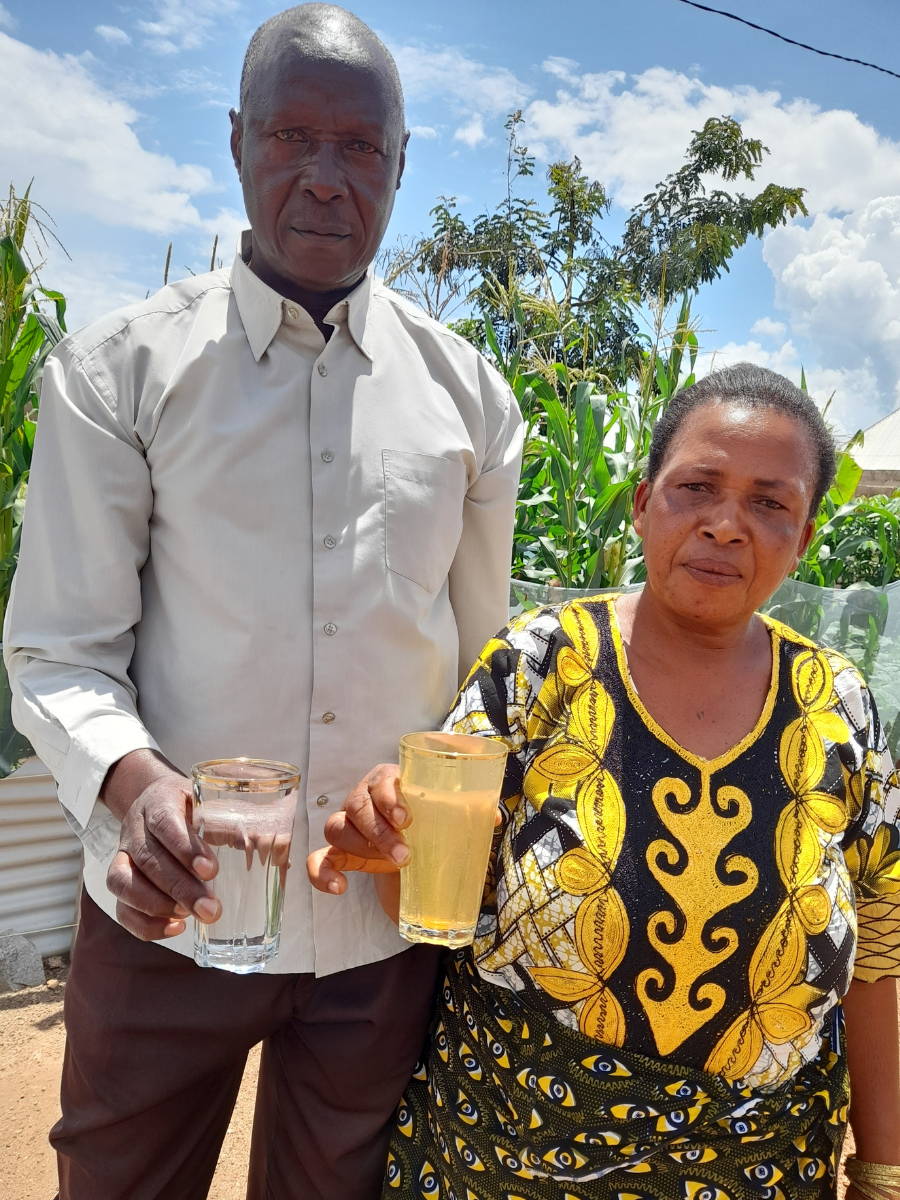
{"x":40,"y":860}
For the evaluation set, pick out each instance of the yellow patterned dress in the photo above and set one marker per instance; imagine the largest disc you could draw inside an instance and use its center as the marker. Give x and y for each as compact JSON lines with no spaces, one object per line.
{"x":652,"y":1004}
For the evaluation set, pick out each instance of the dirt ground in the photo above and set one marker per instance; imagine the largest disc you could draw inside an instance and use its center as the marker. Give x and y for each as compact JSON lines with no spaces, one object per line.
{"x":31,"y":1051}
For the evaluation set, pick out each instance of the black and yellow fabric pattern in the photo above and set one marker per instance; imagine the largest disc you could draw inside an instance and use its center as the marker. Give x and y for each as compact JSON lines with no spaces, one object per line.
{"x":709,"y":911}
{"x":510,"y":1104}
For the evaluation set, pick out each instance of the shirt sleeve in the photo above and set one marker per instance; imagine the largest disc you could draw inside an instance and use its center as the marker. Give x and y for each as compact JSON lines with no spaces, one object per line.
{"x":873,"y":858}
{"x":479,"y":574}
{"x":68,"y":637}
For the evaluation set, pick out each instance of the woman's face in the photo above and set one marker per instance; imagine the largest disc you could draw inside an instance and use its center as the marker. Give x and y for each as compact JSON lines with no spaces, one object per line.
{"x":727,"y":517}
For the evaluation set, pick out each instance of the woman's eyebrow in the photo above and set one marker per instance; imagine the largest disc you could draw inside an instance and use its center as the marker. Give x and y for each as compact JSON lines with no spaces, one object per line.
{"x":787,"y":485}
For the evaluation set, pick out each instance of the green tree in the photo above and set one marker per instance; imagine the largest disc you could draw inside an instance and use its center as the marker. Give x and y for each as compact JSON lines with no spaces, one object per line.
{"x":684,"y":234}
{"x":546,"y":274}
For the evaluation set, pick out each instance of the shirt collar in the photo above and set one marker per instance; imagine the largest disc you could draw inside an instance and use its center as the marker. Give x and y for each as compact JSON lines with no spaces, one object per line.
{"x":261,"y":308}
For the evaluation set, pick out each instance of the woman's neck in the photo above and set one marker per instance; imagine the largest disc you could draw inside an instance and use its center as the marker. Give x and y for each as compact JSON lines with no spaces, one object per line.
{"x":673,"y":638}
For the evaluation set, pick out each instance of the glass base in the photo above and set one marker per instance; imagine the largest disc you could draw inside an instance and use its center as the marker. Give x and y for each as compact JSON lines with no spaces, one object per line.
{"x":437,"y":936}
{"x":240,"y":958}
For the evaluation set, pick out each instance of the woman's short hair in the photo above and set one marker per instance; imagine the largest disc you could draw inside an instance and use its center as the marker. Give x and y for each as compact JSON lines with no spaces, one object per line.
{"x":749,"y":386}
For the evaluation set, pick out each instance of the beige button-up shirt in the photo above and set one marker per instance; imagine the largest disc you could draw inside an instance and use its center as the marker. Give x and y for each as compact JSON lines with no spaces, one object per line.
{"x":241,"y":539}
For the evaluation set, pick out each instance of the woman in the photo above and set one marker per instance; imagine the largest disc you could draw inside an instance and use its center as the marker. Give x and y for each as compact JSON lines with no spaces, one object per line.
{"x":700,"y":846}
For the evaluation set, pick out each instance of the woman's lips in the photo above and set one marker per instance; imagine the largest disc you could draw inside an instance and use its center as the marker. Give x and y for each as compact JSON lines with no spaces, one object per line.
{"x":715,"y":574}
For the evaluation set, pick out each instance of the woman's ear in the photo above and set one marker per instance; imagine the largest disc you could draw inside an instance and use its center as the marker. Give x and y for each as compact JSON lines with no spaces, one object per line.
{"x":641,"y":496}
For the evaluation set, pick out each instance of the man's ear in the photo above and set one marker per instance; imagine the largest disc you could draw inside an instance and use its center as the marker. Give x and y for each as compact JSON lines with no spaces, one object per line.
{"x":402,"y":163}
{"x":237,"y":135}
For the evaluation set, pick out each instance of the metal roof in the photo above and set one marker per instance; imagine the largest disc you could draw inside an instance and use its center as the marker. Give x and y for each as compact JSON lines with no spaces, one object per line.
{"x":880,"y":450}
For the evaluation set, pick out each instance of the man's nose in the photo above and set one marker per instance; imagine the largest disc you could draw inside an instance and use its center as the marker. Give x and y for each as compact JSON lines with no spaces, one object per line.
{"x":323,"y":175}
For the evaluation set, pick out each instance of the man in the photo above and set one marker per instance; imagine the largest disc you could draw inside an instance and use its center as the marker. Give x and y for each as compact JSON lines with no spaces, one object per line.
{"x":270,"y":514}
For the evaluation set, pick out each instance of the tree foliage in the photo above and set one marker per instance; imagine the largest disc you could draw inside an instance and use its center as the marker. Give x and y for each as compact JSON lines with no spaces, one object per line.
{"x":577,"y":294}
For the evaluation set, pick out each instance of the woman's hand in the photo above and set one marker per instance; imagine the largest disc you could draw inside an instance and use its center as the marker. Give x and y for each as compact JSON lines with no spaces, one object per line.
{"x":365,"y":835}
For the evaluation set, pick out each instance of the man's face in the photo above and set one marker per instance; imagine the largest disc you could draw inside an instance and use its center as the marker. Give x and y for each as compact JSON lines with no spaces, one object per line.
{"x":320,"y":151}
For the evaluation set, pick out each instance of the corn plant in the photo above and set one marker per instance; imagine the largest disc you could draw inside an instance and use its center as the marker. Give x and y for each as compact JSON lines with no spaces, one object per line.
{"x":586,"y":449}
{"x":856,"y":541}
{"x":28,"y":332}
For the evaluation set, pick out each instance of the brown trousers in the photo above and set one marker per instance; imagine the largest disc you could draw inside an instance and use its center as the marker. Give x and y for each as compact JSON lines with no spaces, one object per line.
{"x":156,"y":1047}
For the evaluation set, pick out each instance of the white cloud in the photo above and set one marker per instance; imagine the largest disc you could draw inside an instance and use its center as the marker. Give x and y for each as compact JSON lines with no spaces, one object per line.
{"x":566,"y":69}
{"x":836,"y":275}
{"x":472,"y":88}
{"x":472,"y":133}
{"x":850,"y":396}
{"x":202,"y":82}
{"x":228,"y":225}
{"x":784,"y":358}
{"x":95,"y":285}
{"x":838,"y":280}
{"x":78,"y":142}
{"x":426,"y":132}
{"x":183,"y":24}
{"x":841,"y":161}
{"x":7,"y":20}
{"x":766,"y":327}
{"x":113,"y":34}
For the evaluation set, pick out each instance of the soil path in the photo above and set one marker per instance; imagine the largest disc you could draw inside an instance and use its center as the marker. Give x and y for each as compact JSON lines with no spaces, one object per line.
{"x":31,"y":1051}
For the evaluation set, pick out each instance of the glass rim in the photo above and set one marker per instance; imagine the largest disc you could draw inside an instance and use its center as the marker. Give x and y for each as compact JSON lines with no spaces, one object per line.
{"x":489,"y":755}
{"x":289,"y":777}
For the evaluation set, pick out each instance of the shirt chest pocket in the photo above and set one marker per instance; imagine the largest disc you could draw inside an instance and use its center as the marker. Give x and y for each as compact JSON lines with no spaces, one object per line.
{"x":423,"y":512}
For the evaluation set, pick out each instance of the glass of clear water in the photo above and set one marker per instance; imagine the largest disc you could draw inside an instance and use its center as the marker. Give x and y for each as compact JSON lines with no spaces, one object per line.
{"x":244,"y":811}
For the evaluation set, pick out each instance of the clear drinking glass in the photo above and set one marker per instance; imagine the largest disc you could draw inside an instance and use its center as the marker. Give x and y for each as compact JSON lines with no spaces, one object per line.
{"x":244,"y":811}
{"x":451,"y":786}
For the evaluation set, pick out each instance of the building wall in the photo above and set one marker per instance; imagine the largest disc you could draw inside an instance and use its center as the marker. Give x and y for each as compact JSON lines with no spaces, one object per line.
{"x":878,"y":483}
{"x":40,"y":860}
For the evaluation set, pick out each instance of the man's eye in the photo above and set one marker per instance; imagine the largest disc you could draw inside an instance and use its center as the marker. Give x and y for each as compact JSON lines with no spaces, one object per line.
{"x":768,"y":502}
{"x":696,"y":486}
{"x":291,"y":135}
{"x":362,"y":147}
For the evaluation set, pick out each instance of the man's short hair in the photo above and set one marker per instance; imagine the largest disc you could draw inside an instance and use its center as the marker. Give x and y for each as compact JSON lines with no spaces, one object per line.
{"x":325,"y":31}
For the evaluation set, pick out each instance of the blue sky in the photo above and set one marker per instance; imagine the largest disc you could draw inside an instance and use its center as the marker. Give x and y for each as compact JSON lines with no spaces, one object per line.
{"x":119,"y":113}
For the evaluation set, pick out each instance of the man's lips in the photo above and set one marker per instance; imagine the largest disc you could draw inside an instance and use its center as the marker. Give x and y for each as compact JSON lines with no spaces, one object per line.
{"x":334,"y":235}
{"x":712,"y":571}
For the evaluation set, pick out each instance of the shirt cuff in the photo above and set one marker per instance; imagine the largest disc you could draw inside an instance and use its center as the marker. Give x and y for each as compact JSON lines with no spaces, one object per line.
{"x":83,"y":772}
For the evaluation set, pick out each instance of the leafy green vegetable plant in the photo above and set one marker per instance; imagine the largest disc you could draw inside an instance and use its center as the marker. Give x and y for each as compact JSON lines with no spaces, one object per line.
{"x":32,"y":321}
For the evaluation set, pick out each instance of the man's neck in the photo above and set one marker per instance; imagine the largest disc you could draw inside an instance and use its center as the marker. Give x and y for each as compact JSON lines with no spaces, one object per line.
{"x":319,"y":304}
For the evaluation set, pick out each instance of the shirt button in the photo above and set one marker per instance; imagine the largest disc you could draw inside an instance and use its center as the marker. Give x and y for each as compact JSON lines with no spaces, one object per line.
{"x":327,"y":456}
{"x":292,"y":312}
{"x":322,"y":369}
{"x":330,"y":542}
{"x":321,"y":801}
{"x":330,"y":629}
{"x":328,"y":717}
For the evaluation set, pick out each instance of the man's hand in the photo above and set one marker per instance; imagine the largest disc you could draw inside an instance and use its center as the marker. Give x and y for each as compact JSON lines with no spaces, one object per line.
{"x":364,"y":836}
{"x":159,"y":870}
